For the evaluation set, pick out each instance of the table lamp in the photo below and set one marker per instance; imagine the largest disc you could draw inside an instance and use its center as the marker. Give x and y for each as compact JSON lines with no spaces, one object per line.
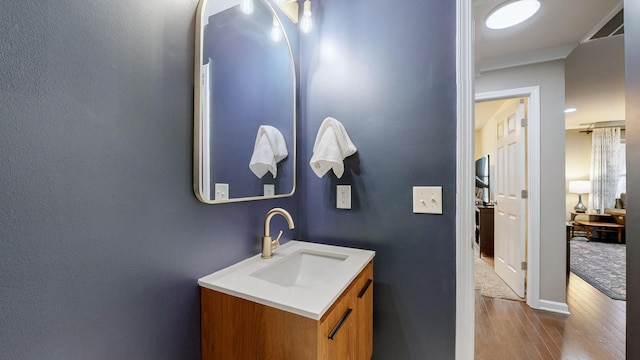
{"x":580,"y":187}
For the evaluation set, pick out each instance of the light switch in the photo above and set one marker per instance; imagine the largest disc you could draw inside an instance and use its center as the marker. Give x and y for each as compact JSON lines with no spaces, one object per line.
{"x":427,"y":199}
{"x":222,"y":191}
{"x":343,"y":197}
{"x":269,"y":189}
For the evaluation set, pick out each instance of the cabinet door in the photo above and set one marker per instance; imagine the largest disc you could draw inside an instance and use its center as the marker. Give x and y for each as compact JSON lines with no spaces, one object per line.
{"x":337,"y":333}
{"x":364,"y":314}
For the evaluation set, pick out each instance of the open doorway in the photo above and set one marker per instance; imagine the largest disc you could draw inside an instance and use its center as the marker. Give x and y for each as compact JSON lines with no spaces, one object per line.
{"x":501,"y":196}
{"x":502,"y":103}
{"x":547,"y":75}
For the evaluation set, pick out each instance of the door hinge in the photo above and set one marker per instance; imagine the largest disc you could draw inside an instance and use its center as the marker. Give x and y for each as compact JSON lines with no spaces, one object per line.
{"x":524,"y":194}
{"x":523,"y":266}
{"x":524,"y":122}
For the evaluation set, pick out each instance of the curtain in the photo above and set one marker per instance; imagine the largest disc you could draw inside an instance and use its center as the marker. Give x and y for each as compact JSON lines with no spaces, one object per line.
{"x":607,"y":160}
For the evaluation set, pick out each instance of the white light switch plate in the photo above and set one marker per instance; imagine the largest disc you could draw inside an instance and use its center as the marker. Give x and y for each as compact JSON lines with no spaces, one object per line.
{"x":222,"y":192}
{"x":427,"y":199}
{"x":343,"y":197}
{"x":269,"y":189}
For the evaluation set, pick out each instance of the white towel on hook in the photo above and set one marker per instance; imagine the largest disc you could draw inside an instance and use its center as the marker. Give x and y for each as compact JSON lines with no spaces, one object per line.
{"x":269,"y":149}
{"x":332,"y":146}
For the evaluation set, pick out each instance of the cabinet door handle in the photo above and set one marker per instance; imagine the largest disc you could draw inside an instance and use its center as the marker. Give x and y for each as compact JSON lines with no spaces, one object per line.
{"x":364,"y":289}
{"x":336,"y":328}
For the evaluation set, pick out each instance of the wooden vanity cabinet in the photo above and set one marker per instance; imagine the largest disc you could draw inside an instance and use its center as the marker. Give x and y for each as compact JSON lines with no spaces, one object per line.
{"x":234,"y":328}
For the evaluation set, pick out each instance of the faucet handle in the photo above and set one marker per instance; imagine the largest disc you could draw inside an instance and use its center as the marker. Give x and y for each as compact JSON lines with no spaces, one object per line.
{"x":276,"y":242}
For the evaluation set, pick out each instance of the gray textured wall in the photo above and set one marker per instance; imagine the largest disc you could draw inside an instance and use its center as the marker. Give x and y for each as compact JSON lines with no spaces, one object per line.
{"x":101,"y":237}
{"x":387,"y":72}
{"x":632,"y":79}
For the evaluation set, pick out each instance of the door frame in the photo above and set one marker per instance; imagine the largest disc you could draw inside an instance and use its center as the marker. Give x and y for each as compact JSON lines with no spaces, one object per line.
{"x":465,"y":144}
{"x":532,"y":149}
{"x":465,"y":147}
{"x":464,"y":274}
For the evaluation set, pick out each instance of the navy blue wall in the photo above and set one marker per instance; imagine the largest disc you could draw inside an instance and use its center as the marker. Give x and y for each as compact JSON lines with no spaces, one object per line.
{"x":386,"y":70}
{"x":101,"y":237}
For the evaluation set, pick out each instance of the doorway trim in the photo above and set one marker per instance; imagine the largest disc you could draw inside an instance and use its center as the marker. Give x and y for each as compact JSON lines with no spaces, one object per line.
{"x":532,"y":149}
{"x":465,"y":294}
{"x":465,"y":146}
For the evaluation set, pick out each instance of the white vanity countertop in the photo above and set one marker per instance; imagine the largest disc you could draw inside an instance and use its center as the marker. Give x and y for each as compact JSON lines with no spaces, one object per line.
{"x":237,"y":280}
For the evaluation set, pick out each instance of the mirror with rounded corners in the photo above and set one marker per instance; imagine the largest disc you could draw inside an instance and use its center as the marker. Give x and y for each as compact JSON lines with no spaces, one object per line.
{"x":244,"y":103}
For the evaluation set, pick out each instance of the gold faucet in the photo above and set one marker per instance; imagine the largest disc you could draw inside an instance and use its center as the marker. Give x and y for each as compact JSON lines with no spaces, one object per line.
{"x":267,"y":244}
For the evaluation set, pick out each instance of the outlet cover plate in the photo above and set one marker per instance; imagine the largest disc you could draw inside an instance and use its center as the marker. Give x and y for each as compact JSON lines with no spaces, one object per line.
{"x":427,"y":199}
{"x":222,"y":191}
{"x":269,"y":189}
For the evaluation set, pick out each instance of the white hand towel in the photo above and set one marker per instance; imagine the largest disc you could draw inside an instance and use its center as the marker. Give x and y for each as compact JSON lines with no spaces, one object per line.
{"x":269,"y":149}
{"x":332,"y":146}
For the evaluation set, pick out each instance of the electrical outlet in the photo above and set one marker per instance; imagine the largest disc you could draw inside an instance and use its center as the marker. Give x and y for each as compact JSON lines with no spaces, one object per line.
{"x":222,"y":192}
{"x":343,"y":197}
{"x":427,"y":199}
{"x":269,"y":189}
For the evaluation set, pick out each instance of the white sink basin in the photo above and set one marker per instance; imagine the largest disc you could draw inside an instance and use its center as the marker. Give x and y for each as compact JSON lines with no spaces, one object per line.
{"x":302,"y":278}
{"x":304,"y":268}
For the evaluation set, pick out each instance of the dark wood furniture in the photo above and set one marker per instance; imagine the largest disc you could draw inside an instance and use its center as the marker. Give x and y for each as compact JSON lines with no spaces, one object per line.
{"x":618,"y":215}
{"x":484,"y":229}
{"x":601,"y":226}
{"x":570,"y":226}
{"x":607,"y":222}
{"x":592,"y":216}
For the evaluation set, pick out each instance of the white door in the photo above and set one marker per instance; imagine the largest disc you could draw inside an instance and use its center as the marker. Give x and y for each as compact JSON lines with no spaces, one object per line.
{"x":509,"y":246}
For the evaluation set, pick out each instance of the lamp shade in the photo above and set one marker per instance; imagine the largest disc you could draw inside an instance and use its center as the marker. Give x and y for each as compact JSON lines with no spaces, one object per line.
{"x":580,"y":186}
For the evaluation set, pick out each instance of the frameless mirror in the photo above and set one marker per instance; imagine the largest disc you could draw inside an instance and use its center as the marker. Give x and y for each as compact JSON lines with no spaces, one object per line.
{"x":244,"y":103}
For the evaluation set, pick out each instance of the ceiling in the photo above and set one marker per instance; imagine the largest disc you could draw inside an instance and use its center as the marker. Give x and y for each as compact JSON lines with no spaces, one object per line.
{"x":553,"y":34}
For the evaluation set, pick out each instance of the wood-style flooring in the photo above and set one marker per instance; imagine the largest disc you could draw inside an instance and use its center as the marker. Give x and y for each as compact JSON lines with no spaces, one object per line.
{"x":506,"y":329}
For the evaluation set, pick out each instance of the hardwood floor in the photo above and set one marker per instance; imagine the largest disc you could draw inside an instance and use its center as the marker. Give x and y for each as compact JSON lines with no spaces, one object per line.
{"x":506,"y":329}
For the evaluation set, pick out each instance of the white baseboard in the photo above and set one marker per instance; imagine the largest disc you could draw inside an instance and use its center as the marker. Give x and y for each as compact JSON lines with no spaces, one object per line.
{"x":554,"y":306}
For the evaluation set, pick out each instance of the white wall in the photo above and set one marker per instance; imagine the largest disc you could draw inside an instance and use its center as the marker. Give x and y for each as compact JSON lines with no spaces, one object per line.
{"x":577,"y":167}
{"x":550,"y":77}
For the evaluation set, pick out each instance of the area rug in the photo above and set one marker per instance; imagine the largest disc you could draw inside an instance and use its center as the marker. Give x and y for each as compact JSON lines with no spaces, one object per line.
{"x":603,"y":265}
{"x":490,"y":284}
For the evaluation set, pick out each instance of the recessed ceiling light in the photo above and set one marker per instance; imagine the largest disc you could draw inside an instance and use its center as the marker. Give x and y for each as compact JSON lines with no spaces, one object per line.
{"x":570,"y":110}
{"x":511,"y":13}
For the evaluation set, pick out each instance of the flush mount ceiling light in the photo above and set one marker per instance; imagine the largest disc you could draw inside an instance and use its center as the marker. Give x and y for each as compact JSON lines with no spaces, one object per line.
{"x":511,"y":13}
{"x":570,"y":110}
